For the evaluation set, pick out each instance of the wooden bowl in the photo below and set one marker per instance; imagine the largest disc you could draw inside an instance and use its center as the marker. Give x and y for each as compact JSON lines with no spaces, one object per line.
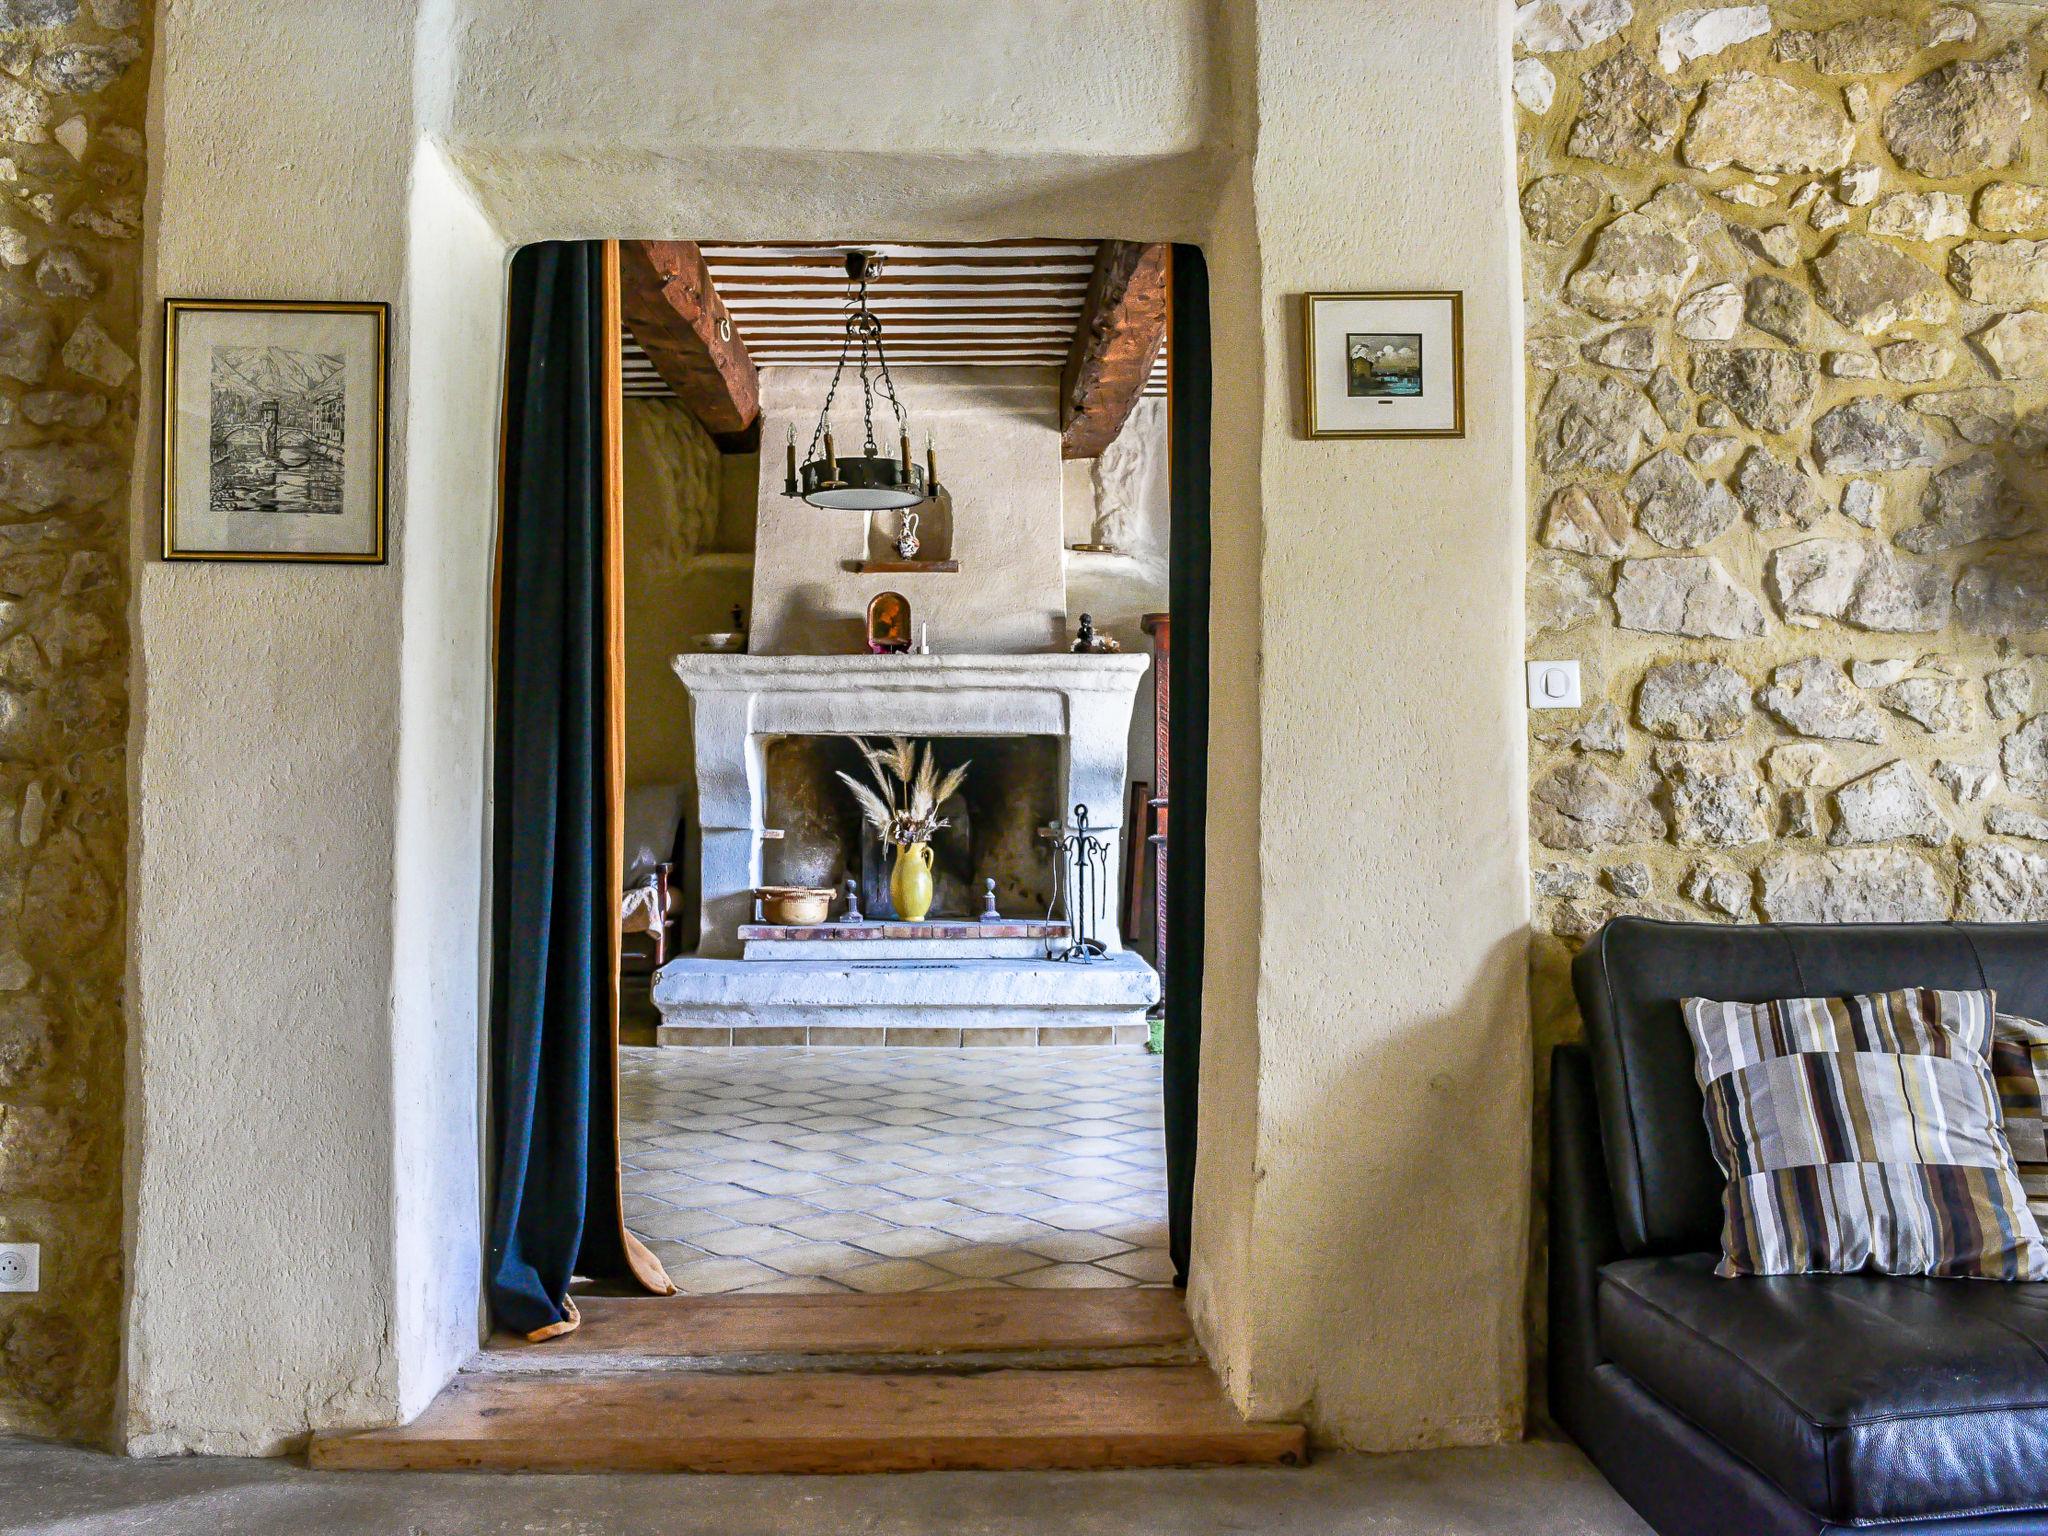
{"x":795,"y":906}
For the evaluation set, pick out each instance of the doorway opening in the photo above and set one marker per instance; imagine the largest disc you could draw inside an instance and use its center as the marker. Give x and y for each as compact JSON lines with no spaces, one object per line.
{"x":818,"y":1106}
{"x":935,"y":1217}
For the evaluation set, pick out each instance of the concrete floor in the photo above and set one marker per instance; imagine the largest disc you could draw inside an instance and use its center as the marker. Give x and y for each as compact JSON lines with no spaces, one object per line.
{"x":1536,"y":1489}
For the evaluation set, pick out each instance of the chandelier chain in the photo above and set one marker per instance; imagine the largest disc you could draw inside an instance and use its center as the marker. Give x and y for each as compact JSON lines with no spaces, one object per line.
{"x":863,"y":328}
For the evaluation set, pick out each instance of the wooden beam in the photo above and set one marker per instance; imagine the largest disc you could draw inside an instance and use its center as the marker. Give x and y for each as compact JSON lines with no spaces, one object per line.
{"x":1122,"y":325}
{"x":680,"y":322}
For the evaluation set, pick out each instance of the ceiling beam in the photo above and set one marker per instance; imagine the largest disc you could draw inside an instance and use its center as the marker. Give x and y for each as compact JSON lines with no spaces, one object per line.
{"x":1122,"y":324}
{"x":676,"y":315}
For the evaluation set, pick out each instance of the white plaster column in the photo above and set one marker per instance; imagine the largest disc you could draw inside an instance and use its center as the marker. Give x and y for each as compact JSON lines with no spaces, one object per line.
{"x":1362,"y":1230}
{"x":263,"y":1287}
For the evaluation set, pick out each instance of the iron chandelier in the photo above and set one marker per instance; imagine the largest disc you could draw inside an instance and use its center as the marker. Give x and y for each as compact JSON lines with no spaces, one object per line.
{"x":870,"y":482}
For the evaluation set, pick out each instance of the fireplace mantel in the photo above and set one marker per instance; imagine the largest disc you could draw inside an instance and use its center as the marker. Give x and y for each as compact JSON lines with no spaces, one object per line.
{"x":1050,"y":673}
{"x":739,"y":702}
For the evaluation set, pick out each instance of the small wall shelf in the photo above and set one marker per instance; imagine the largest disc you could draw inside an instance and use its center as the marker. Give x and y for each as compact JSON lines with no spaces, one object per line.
{"x":903,"y":567}
{"x":719,"y":560}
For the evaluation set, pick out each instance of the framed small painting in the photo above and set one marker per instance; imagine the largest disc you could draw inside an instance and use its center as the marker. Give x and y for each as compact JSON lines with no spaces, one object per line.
{"x":274,"y":430}
{"x":1383,"y":364}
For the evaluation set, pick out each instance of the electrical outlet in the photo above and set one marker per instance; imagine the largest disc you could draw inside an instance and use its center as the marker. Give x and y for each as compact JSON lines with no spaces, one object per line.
{"x":20,"y":1266}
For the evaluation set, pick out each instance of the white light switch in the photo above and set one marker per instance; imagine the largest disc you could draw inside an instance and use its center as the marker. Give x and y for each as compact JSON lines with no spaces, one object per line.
{"x":1553,"y":685}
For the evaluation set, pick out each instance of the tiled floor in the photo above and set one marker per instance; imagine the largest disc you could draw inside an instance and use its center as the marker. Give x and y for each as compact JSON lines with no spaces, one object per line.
{"x":792,"y":1170}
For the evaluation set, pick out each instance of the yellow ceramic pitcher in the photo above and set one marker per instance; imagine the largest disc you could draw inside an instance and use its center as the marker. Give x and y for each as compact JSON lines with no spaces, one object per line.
{"x":910,"y":882}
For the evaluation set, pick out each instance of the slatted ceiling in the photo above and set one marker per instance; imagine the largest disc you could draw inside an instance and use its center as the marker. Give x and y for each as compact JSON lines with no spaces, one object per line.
{"x":986,"y":304}
{"x":1155,"y":386}
{"x":997,"y":303}
{"x":640,"y":379}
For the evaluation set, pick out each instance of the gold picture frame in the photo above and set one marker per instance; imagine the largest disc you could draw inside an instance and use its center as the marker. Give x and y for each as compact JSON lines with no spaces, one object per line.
{"x":275,"y":424}
{"x":1383,"y":364}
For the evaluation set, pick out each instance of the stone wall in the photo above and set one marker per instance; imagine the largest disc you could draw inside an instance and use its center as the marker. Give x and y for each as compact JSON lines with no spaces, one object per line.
{"x":1788,"y":409}
{"x":73,"y":82}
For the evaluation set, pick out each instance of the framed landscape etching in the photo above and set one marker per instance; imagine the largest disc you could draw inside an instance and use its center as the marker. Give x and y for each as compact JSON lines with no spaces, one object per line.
{"x":1383,"y":364}
{"x":274,"y":430}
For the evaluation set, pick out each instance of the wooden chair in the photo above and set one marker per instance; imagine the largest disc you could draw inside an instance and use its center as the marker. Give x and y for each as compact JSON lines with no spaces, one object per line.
{"x":644,"y":951}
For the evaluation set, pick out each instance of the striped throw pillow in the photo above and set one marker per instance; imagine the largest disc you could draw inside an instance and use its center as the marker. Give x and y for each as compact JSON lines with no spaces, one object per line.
{"x":2019,"y":1060}
{"x":1862,"y":1133}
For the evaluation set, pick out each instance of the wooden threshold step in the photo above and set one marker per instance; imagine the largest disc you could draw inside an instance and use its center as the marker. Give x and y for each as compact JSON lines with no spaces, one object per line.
{"x":822,"y":1421}
{"x":632,"y":1332}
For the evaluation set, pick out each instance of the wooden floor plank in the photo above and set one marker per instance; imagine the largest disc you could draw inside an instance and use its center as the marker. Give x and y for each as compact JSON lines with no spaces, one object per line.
{"x":705,"y":1327}
{"x":818,"y":1421}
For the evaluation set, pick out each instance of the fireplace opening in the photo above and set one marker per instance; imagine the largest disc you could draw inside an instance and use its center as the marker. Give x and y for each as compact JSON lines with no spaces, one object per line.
{"x":993,"y":824}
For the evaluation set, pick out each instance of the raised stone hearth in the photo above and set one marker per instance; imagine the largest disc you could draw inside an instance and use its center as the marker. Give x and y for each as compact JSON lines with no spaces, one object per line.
{"x":906,"y":1002}
{"x":948,"y":979}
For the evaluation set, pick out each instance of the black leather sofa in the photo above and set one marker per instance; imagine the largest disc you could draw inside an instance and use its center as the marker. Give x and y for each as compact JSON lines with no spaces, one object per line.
{"x":1754,"y":1407}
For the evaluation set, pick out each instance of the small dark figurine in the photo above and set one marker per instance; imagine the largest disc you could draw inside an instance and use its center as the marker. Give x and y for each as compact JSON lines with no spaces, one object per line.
{"x":1088,"y":643}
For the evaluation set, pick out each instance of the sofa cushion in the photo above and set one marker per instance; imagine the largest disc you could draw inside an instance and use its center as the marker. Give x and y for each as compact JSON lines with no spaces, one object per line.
{"x":1862,"y":1132}
{"x":1864,"y":1397}
{"x":1631,"y":975}
{"x":2019,"y":1059}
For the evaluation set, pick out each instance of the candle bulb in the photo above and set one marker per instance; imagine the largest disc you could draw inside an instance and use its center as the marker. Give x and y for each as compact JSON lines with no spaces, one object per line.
{"x":789,"y":464}
{"x":831,"y":459}
{"x":904,"y":440}
{"x":931,"y":467}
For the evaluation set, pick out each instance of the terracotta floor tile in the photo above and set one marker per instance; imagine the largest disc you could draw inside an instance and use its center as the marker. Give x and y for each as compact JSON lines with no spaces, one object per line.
{"x":716,"y":1277}
{"x":1079,"y":1247}
{"x":1068,"y":1277}
{"x":979,"y":1261}
{"x":745,"y":1242}
{"x":910,"y":1242}
{"x":1140,"y":1264}
{"x":894,"y":1275}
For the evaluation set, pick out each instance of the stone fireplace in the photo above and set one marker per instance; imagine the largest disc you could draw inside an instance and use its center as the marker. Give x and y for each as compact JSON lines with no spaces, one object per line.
{"x":1047,"y":734}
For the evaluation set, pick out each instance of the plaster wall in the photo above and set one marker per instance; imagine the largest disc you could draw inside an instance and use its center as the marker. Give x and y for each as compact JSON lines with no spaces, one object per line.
{"x":687,"y":567}
{"x":1362,"y":1197}
{"x":1384,"y":1235}
{"x":1121,"y":498}
{"x":997,"y":432}
{"x":265,"y":750}
{"x":1063,"y":116}
{"x":441,"y":906}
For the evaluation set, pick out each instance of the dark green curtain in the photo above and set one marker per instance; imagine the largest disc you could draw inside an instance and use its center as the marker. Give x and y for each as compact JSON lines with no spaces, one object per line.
{"x":555,"y":1199}
{"x":1188,"y":750}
